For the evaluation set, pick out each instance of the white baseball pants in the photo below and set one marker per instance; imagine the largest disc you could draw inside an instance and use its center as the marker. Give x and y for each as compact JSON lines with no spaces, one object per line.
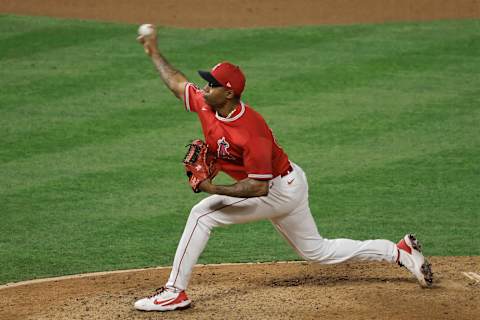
{"x":286,"y":206}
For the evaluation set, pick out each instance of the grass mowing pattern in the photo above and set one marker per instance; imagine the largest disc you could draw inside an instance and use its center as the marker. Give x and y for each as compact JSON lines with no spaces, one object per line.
{"x":383,"y":118}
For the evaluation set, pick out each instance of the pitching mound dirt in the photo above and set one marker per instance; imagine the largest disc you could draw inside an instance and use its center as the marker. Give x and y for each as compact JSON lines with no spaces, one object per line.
{"x":261,"y":291}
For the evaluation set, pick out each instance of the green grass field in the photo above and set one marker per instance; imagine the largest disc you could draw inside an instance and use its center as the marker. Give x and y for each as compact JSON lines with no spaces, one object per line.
{"x":383,"y":118}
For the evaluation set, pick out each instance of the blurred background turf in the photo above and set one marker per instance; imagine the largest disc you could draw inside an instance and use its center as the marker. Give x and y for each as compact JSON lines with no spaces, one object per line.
{"x":383,"y":118}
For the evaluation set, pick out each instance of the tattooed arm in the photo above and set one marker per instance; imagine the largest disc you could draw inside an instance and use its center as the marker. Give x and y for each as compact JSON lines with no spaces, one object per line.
{"x":245,"y":188}
{"x":173,"y":78}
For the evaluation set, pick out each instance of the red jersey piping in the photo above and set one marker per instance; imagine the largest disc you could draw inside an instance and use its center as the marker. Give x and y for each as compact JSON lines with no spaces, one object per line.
{"x":242,"y":111}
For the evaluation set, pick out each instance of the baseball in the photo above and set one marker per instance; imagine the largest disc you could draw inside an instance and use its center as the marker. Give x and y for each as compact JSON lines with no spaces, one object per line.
{"x":146,"y":30}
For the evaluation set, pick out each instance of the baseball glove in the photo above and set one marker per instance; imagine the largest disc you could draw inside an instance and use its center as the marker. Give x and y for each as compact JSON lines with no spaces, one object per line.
{"x":199,"y":164}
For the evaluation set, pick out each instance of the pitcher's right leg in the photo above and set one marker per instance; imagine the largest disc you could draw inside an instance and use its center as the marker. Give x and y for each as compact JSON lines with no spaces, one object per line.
{"x":300,"y":230}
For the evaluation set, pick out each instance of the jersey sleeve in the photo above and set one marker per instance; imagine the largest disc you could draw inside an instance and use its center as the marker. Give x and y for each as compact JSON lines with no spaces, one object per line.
{"x":258,"y":159}
{"x":192,"y":98}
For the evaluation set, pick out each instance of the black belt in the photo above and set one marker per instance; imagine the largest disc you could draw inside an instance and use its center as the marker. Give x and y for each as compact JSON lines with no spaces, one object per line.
{"x":286,"y":172}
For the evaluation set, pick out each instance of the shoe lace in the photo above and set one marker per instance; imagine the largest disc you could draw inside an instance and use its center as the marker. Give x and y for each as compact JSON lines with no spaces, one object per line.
{"x":157,"y":292}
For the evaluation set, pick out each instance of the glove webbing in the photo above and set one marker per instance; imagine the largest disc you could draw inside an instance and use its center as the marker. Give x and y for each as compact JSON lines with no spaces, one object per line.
{"x":192,"y":154}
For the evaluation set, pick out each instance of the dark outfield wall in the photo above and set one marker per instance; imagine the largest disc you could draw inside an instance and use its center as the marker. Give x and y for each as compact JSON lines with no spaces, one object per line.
{"x":247,"y":13}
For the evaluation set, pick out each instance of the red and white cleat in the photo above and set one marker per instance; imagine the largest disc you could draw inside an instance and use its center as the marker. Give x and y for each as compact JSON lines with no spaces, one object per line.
{"x":410,"y":256}
{"x":164,"y":299}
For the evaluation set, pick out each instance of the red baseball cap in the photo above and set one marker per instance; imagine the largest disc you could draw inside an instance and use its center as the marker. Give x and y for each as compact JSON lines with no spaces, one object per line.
{"x":226,"y":75}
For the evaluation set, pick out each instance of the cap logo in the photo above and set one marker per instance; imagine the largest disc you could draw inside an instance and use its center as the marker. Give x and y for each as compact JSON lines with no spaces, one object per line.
{"x":228,"y":84}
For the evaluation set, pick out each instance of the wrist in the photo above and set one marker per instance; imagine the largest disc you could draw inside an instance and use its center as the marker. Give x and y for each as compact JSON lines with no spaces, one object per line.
{"x":210,"y":187}
{"x":207,"y":186}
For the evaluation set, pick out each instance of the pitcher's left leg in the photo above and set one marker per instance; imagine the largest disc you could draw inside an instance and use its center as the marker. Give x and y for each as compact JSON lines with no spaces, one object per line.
{"x":211,"y":212}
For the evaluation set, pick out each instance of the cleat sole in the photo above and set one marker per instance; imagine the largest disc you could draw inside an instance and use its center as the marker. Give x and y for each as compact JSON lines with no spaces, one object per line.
{"x":427,"y":273}
{"x":426,"y":268}
{"x":415,"y":243}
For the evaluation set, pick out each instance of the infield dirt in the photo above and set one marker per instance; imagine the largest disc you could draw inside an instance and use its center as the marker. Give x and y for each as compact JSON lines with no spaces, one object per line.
{"x":247,"y":13}
{"x":257,"y":291}
{"x":261,"y":291}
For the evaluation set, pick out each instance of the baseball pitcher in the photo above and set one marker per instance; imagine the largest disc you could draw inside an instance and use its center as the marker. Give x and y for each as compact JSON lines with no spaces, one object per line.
{"x":268,"y":184}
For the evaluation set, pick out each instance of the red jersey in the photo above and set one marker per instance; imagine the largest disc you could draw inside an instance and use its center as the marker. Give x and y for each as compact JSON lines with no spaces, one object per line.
{"x":243,"y":142}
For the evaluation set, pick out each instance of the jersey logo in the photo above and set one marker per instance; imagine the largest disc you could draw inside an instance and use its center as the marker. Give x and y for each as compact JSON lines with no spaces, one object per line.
{"x":222,"y":151}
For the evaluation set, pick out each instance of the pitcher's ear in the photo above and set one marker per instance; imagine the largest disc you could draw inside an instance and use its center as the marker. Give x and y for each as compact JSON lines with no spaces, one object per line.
{"x":229,"y":94}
